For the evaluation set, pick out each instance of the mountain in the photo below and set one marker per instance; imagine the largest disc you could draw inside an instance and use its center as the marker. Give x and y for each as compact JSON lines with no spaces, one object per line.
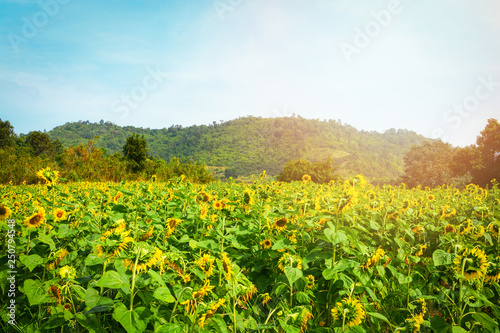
{"x":249,"y":145}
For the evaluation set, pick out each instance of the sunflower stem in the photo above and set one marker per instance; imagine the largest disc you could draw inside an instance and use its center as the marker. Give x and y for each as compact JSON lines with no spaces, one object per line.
{"x":133,"y":279}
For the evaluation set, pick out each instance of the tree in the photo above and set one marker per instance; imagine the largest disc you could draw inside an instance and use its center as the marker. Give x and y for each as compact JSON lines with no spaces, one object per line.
{"x":428,"y":164}
{"x":136,"y":152}
{"x":7,"y":135}
{"x":488,"y":145}
{"x":41,"y":144}
{"x":320,"y":172}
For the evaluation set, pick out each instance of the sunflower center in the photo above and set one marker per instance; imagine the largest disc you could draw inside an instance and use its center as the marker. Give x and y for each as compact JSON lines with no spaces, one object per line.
{"x":3,"y":210}
{"x":281,"y":223}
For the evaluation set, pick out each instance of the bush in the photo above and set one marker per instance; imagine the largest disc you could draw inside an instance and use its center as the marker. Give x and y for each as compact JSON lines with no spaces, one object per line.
{"x":320,"y":172}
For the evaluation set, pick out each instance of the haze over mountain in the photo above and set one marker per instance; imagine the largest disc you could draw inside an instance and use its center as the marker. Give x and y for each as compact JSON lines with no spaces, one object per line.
{"x":249,"y":145}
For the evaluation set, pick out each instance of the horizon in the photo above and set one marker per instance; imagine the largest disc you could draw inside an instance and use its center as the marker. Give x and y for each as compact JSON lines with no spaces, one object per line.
{"x":431,"y":68}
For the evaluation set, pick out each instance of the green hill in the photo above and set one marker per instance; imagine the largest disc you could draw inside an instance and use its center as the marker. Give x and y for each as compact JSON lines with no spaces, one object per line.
{"x":249,"y":145}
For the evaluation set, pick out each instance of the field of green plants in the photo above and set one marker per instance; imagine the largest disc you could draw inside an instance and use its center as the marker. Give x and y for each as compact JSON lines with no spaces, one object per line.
{"x":262,"y":257}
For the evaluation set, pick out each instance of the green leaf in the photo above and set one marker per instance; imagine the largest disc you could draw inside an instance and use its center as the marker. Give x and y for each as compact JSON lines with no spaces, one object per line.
{"x":47,"y":240}
{"x":219,"y":323}
{"x":157,"y":278}
{"x":292,"y":274}
{"x":99,"y":308}
{"x":288,"y":328}
{"x":90,"y":322}
{"x":36,"y":293}
{"x":336,"y":237}
{"x":379,"y":316}
{"x":440,"y":257}
{"x":93,"y":298}
{"x":120,"y":208}
{"x":169,"y":328}
{"x":65,"y":231}
{"x":31,"y":261}
{"x":113,"y":280}
{"x":163,"y":294}
{"x":343,"y":264}
{"x":458,"y":329}
{"x":486,"y":321}
{"x":439,"y":325}
{"x":132,"y":320}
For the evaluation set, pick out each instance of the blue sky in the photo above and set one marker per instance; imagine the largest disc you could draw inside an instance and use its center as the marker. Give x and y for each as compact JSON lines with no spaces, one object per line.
{"x":427,"y":66}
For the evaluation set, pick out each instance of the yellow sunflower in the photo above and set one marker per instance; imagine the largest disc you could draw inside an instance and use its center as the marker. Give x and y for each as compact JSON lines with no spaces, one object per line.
{"x":288,"y":259}
{"x":266,"y":243}
{"x":350,"y":312}
{"x":58,"y":257}
{"x":147,"y":259}
{"x":49,"y":176}
{"x":471,"y":263}
{"x":59,"y":214}
{"x":147,"y":234}
{"x":36,"y":219}
{"x":171,"y":224}
{"x":281,"y":223}
{"x":372,"y":261}
{"x":190,"y":304}
{"x":306,"y":178}
{"x":449,"y":228}
{"x":227,"y":266}
{"x":493,"y":272}
{"x":67,"y":272}
{"x":206,"y":263}
{"x":212,"y":309}
{"x":5,"y":212}
{"x":265,"y":299}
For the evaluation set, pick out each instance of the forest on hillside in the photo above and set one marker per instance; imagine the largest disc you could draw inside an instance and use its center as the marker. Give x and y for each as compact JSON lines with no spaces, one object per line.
{"x":250,"y":145}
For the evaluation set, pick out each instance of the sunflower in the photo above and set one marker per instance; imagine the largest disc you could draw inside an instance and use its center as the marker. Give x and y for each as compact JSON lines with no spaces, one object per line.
{"x":281,"y":223}
{"x":55,"y":293}
{"x":203,"y":211}
{"x":67,"y":272}
{"x":266,"y":243}
{"x":154,"y":178}
{"x":306,"y":178}
{"x":212,"y":309}
{"x":493,"y":272}
{"x":190,"y":304}
{"x":227,"y":266}
{"x":350,"y":311}
{"x":493,"y":229}
{"x":59,"y":214}
{"x":206,"y":263}
{"x":420,"y":251}
{"x":36,"y":219}
{"x":203,"y":197}
{"x":288,"y":259}
{"x":305,"y":316}
{"x":59,"y":256}
{"x":67,"y":307}
{"x":379,"y":253}
{"x":250,"y":292}
{"x":310,"y":281}
{"x":248,"y":198}
{"x":5,"y":212}
{"x":447,"y":211}
{"x":471,"y":263}
{"x":49,"y":176}
{"x":171,"y":224}
{"x":449,"y":228}
{"x":147,"y":234}
{"x":114,"y":242}
{"x":266,"y":298}
{"x":147,"y":259}
{"x":431,"y":197}
{"x":117,"y":197}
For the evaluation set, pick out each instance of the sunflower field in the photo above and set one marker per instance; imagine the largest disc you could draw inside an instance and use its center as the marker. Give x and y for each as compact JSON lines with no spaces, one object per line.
{"x":174,"y":256}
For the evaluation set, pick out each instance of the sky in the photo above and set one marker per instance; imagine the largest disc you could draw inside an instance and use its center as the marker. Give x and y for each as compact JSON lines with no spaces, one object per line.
{"x":432,"y":67}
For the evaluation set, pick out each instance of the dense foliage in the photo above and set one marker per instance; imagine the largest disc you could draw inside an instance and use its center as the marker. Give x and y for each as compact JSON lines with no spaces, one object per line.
{"x":251,"y":144}
{"x":22,"y":156}
{"x":261,"y":257}
{"x":321,"y":172}
{"x":436,"y":163}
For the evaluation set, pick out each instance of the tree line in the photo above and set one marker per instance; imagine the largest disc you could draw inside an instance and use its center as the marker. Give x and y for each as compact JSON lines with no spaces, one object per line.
{"x":21,"y":156}
{"x":436,"y":163}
